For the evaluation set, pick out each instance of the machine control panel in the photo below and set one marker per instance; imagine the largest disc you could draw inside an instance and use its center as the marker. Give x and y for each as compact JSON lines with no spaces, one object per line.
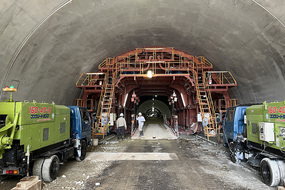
{"x":266,"y":132}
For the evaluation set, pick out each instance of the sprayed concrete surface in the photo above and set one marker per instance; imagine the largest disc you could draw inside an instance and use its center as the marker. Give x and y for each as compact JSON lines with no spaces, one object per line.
{"x":45,"y":45}
{"x":197,"y":164}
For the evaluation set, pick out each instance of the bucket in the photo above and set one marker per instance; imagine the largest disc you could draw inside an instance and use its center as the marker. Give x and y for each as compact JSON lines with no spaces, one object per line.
{"x":95,"y":142}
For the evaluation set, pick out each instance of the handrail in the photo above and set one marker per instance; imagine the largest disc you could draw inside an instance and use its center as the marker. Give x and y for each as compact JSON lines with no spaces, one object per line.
{"x":140,"y":68}
{"x":205,"y":107}
{"x":223,"y":104}
{"x":101,"y":65}
{"x":221,"y":77}
{"x":205,"y":62}
{"x":88,"y":79}
{"x":206,"y":86}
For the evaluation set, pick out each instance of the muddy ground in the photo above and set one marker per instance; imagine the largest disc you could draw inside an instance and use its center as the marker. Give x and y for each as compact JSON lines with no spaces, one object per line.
{"x":197,"y":164}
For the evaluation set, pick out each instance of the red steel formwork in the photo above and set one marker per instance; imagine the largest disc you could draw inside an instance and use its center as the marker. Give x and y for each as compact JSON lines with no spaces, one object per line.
{"x":199,"y":89}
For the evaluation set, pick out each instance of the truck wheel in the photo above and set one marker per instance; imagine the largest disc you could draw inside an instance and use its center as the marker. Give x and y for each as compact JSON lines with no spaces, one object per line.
{"x":83,"y":151}
{"x":269,"y":172}
{"x":281,"y":166}
{"x":37,"y":168}
{"x":50,"y":168}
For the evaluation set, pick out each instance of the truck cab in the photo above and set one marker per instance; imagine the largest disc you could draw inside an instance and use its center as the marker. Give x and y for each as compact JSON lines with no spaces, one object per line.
{"x":233,"y":124}
{"x":80,"y":125}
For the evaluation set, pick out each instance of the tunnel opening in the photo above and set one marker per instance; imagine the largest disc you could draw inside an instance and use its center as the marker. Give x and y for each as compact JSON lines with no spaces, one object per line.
{"x":182,"y":89}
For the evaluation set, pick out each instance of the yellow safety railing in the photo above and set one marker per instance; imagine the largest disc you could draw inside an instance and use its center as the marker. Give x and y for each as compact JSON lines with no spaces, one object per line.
{"x":221,"y":77}
{"x":223,"y":104}
{"x":79,"y":102}
{"x":157,"y":68}
{"x":89,"y":79}
{"x":205,"y":62}
{"x":103,"y":64}
{"x":88,"y":103}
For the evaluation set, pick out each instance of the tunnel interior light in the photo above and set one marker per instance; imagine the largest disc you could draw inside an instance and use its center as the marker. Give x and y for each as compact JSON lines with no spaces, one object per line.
{"x":183,"y":99}
{"x":149,"y":74}
{"x":126,"y":100}
{"x":174,"y":96}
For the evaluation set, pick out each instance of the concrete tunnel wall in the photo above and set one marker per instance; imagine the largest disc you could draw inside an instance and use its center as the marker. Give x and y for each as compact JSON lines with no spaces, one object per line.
{"x":47,"y":44}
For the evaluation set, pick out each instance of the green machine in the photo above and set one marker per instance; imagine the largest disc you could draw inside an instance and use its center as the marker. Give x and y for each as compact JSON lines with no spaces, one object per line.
{"x":256,"y":134}
{"x":266,"y":126}
{"x":35,"y":137}
{"x":265,"y":143}
{"x":32,"y":124}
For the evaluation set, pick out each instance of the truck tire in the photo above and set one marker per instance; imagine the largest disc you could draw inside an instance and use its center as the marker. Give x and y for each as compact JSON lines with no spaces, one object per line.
{"x":37,"y":168}
{"x":50,"y":168}
{"x":83,"y":151}
{"x":281,"y":166}
{"x":269,"y":172}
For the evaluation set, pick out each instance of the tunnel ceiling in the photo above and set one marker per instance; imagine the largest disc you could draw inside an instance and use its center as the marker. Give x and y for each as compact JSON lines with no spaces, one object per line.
{"x":46,"y":45}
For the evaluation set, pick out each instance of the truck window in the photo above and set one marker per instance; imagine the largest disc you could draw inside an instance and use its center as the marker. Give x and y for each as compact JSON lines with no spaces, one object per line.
{"x":230,"y":115}
{"x":84,"y":115}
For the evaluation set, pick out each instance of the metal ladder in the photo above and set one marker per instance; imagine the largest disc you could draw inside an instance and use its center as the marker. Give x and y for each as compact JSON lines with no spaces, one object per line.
{"x":100,"y":128}
{"x":205,"y":101}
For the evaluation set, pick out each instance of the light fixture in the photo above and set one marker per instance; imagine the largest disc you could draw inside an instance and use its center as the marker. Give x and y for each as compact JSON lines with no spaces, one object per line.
{"x":174,"y":96}
{"x":183,"y":99}
{"x":126,"y":100}
{"x":149,"y":74}
{"x":133,"y":97}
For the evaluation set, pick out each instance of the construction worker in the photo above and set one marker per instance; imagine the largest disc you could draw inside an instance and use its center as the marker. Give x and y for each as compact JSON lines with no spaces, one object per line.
{"x":141,"y":121}
{"x":121,"y":126}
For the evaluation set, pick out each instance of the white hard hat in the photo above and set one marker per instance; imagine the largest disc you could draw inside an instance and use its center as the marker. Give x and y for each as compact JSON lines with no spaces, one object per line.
{"x":121,"y":115}
{"x":140,"y":113}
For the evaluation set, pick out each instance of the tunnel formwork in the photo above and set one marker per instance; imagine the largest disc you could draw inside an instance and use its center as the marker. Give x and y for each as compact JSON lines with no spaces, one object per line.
{"x":191,"y":86}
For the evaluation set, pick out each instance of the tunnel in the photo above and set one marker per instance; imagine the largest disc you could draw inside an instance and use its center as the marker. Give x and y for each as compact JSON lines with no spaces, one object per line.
{"x":165,"y":59}
{"x":47,"y":45}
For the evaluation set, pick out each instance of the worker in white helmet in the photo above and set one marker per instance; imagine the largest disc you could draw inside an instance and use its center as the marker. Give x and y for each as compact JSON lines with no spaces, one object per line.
{"x":141,"y":121}
{"x":121,"y":126}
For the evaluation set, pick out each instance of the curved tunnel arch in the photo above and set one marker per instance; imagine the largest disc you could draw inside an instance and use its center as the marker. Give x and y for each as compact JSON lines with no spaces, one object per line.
{"x":154,"y":113}
{"x":157,"y":104}
{"x":245,"y":37}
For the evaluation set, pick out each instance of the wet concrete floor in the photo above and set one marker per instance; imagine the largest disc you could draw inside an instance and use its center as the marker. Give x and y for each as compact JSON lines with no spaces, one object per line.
{"x":159,"y":164}
{"x":194,"y":164}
